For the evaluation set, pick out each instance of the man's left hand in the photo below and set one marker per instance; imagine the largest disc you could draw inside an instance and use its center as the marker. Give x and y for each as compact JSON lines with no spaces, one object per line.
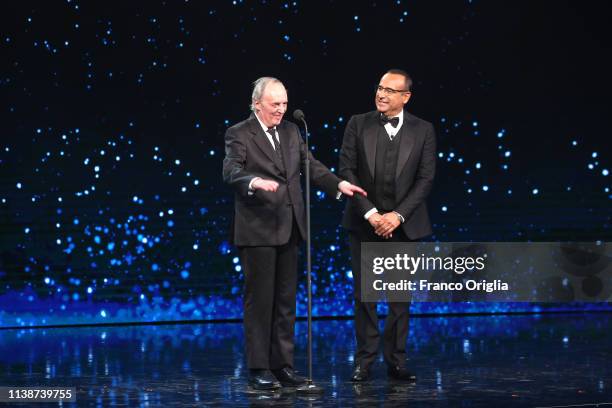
{"x":388,"y":223}
{"x":349,"y":189}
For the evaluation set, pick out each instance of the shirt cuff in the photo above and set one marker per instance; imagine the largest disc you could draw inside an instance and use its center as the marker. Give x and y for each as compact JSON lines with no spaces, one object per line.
{"x":251,"y":183}
{"x":369,"y":213}
{"x":400,"y":216}
{"x":251,"y":189}
{"x":339,"y":193}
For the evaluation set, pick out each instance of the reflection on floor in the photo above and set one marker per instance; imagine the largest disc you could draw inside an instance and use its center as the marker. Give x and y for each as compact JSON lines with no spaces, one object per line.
{"x":477,"y":361}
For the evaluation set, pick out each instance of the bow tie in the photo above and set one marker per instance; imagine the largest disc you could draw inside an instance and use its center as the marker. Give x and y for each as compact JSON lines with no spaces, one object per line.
{"x":393,"y":121}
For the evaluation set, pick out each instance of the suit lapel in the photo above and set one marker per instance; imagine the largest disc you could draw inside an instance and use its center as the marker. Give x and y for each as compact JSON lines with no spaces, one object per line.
{"x":406,"y":144}
{"x":370,"y":134}
{"x":285,"y":139}
{"x":262,"y":141}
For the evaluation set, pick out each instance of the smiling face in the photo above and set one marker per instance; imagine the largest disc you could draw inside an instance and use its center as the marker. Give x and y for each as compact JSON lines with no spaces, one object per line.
{"x":273,"y":104}
{"x":388,"y":102}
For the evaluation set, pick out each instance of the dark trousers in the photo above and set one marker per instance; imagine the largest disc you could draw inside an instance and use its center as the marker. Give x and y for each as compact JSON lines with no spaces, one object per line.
{"x":366,"y":320}
{"x":270,"y":284}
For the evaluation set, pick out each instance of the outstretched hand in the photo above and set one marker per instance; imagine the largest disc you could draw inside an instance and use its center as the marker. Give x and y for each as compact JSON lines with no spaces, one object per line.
{"x":349,"y":189}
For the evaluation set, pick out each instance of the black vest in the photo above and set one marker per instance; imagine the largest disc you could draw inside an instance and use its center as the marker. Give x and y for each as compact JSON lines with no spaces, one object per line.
{"x":387,"y":153}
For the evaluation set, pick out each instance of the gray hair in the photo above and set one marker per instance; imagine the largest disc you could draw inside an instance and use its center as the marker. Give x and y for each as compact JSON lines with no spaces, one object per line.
{"x":258,"y":89}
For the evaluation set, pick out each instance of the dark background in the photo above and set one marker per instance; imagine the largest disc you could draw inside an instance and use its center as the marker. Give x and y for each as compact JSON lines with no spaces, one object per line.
{"x":132,"y":87}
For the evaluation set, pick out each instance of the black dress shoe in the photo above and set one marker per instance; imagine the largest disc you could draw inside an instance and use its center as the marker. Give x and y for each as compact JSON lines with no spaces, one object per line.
{"x":288,"y":377}
{"x":360,"y":374}
{"x":263,"y":380}
{"x":400,"y":373}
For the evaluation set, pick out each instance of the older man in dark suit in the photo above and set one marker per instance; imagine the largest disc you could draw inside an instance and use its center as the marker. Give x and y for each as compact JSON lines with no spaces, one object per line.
{"x":391,"y":154}
{"x":263,"y":159}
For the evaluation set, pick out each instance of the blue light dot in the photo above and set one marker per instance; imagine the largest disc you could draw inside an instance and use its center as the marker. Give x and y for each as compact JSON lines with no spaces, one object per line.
{"x":170,"y":223}
{"x":594,"y":155}
{"x":590,"y":166}
{"x":103,"y":313}
{"x":509,"y":192}
{"x":474,"y":124}
{"x":444,"y":208}
{"x":485,"y":188}
{"x":19,"y":186}
{"x":355,"y":18}
{"x":574,"y":143}
{"x":535,"y":191}
{"x":196,"y":182}
{"x":507,"y":154}
{"x":177,"y":162}
{"x":478,"y":165}
{"x":195,"y":247}
{"x":235,"y":260}
{"x":155,"y":267}
{"x":27,"y":230}
{"x":47,"y":280}
{"x":605,"y":172}
{"x":212,"y":152}
{"x":238,"y":268}
{"x":89,"y":290}
{"x":184,"y":274}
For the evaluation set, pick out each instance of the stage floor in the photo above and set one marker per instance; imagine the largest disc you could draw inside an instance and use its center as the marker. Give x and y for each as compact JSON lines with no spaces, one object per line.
{"x":477,"y":361}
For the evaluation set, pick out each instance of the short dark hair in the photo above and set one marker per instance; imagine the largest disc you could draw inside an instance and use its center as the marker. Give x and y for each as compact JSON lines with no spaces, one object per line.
{"x":407,"y":79}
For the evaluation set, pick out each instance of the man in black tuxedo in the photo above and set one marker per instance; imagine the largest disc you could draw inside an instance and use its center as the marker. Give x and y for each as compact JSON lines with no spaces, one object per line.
{"x":263,"y":159}
{"x":391,"y":154}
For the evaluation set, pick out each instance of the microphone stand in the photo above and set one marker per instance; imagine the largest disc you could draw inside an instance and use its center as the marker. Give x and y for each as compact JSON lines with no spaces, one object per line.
{"x":310,"y":387}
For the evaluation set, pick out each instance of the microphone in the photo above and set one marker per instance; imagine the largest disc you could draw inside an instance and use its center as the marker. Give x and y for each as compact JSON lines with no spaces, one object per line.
{"x":298,"y":115}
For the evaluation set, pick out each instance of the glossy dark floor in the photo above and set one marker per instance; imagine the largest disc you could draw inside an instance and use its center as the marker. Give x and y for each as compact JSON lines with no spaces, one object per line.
{"x":483,"y":361}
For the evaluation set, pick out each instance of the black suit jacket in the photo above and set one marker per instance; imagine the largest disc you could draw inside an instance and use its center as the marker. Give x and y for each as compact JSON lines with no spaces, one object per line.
{"x":265,"y":218}
{"x":413,"y":177}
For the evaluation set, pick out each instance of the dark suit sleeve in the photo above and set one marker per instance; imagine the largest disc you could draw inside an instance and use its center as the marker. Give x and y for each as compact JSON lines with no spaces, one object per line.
{"x":424,"y":177}
{"x":233,"y":163}
{"x":349,"y":162}
{"x":320,"y":175}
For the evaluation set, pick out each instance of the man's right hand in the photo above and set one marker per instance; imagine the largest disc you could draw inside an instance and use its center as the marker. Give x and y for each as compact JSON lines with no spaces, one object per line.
{"x":374,"y":219}
{"x":265,"y":185}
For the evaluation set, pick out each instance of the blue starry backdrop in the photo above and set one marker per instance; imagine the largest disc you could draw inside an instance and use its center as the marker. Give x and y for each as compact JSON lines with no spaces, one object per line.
{"x":112,"y":115}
